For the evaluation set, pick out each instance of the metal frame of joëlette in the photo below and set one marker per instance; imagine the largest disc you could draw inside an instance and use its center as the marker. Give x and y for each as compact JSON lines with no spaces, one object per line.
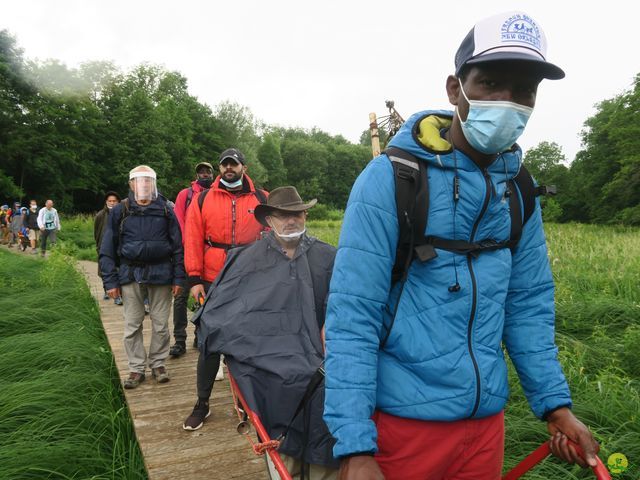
{"x":267,"y":444}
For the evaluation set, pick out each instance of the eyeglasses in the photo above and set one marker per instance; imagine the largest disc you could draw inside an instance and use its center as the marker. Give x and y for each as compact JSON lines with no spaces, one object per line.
{"x":282,"y":215}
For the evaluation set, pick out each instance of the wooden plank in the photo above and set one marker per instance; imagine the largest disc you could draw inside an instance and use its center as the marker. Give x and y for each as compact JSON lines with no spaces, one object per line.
{"x":214,"y":451}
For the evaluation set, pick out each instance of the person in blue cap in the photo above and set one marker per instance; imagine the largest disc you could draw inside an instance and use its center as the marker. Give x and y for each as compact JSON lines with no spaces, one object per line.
{"x":416,"y":377}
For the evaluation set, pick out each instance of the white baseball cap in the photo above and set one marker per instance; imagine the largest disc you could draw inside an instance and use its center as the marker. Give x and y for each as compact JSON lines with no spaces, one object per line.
{"x":507,"y":36}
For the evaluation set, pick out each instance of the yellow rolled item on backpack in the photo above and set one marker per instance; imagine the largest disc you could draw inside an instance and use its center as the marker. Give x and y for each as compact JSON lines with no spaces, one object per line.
{"x":429,"y":133}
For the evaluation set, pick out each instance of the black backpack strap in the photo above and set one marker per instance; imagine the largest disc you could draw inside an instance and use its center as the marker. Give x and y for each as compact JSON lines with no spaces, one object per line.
{"x":315,"y":381}
{"x":123,"y":214}
{"x":260,"y":195}
{"x":189,"y":198}
{"x":201,"y":198}
{"x":412,"y":206}
{"x":521,"y":189}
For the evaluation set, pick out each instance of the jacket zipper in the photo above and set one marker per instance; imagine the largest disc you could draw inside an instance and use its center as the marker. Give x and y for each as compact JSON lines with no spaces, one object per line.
{"x":233,"y":222}
{"x":474,"y":292}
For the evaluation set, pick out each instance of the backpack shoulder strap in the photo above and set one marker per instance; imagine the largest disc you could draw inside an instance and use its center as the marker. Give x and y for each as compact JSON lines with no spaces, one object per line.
{"x":522,"y":203}
{"x":189,"y":198}
{"x":201,"y":198}
{"x":412,"y":206}
{"x":124,"y":213}
{"x":260,"y":195}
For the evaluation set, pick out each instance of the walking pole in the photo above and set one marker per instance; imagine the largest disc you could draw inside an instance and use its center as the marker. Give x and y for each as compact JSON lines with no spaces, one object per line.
{"x":542,"y":452}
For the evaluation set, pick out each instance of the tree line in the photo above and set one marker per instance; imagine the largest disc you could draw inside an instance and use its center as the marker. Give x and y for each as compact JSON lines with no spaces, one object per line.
{"x":602,"y":184}
{"x":73,"y":134}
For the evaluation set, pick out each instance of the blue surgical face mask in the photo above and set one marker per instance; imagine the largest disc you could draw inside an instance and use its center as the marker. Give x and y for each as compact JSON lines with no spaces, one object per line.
{"x":493,"y":126}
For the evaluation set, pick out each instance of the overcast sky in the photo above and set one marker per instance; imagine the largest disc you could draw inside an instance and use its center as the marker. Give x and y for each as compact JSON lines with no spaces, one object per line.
{"x":328,"y":64}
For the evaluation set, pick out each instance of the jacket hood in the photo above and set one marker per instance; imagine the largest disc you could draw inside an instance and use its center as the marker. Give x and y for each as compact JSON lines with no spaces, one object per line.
{"x":421,"y":135}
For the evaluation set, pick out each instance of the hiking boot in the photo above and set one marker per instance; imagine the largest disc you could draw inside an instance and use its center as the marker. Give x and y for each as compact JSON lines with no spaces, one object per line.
{"x":198,"y":416}
{"x":118,"y":301}
{"x":134,"y":380}
{"x":160,"y":374}
{"x":178,"y":349}
{"x":105,"y":296}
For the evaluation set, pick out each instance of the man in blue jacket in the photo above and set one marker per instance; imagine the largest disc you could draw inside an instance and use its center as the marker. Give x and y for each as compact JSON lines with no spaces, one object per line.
{"x":142,"y":247}
{"x":439,"y":380}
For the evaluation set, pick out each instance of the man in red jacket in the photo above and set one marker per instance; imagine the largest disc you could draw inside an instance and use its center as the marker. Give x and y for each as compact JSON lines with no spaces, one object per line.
{"x":204,"y":180}
{"x":217,"y":219}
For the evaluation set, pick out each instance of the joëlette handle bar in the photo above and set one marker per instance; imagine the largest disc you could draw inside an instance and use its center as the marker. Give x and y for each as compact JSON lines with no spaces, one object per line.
{"x":262,"y":432}
{"x":542,"y":452}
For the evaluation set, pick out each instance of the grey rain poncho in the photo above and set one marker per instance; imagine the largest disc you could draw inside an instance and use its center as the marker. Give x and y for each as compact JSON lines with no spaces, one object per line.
{"x":264,"y":312}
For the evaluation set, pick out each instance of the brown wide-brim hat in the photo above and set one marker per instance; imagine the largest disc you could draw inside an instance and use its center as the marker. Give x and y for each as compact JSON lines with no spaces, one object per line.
{"x":285,"y":199}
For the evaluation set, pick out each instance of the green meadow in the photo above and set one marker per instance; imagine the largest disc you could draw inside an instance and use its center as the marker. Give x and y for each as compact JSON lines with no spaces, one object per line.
{"x":61,"y":409}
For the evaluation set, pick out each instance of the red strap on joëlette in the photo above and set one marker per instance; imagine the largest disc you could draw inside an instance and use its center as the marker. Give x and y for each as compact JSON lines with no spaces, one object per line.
{"x":542,"y":452}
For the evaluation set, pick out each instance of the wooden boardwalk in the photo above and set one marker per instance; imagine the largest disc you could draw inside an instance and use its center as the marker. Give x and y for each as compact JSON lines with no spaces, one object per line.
{"x":216,"y":451}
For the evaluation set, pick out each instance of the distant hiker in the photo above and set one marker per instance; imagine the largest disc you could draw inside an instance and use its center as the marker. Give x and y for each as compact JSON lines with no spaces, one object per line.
{"x":142,"y":246}
{"x":49,"y":224}
{"x":22,"y":222}
{"x":218,"y":219}
{"x":4,"y":224}
{"x":32,"y":224}
{"x":406,"y":355}
{"x":15,"y":224}
{"x":265,"y":313}
{"x":204,"y":179}
{"x":111,"y":199}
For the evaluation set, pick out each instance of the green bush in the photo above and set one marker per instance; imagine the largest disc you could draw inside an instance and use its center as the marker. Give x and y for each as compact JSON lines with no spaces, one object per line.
{"x":324,"y":212}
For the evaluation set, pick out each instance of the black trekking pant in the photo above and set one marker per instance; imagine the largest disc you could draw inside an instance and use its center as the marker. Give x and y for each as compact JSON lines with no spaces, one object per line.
{"x":206,"y":373}
{"x":47,"y":234}
{"x":180,"y":316}
{"x":207,"y":366}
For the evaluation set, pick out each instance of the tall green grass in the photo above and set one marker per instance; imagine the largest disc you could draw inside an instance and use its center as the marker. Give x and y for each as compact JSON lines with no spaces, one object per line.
{"x":62,"y":411}
{"x":597,"y":276}
{"x":76,"y":237}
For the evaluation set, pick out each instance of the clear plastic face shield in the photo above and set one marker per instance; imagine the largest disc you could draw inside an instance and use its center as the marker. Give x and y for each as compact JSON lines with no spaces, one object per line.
{"x":143,"y":185}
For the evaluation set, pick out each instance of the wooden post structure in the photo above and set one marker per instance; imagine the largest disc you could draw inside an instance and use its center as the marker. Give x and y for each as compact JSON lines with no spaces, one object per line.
{"x":375,"y":136}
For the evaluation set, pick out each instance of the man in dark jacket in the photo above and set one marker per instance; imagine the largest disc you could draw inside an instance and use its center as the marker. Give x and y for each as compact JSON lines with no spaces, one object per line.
{"x":111,"y":199}
{"x":142,"y":246}
{"x":265,"y":313}
{"x":32,"y":225}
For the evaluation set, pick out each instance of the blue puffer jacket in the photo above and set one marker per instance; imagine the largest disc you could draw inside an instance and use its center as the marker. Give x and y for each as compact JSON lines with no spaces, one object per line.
{"x":144,"y":247}
{"x":444,"y":358}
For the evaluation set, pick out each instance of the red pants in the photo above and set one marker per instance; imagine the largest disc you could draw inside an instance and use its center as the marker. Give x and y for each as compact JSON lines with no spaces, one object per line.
{"x":424,"y":450}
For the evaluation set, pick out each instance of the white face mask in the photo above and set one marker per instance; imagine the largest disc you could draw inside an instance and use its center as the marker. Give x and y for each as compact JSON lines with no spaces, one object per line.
{"x":290,"y":237}
{"x":236,"y":184}
{"x":33,"y":207}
